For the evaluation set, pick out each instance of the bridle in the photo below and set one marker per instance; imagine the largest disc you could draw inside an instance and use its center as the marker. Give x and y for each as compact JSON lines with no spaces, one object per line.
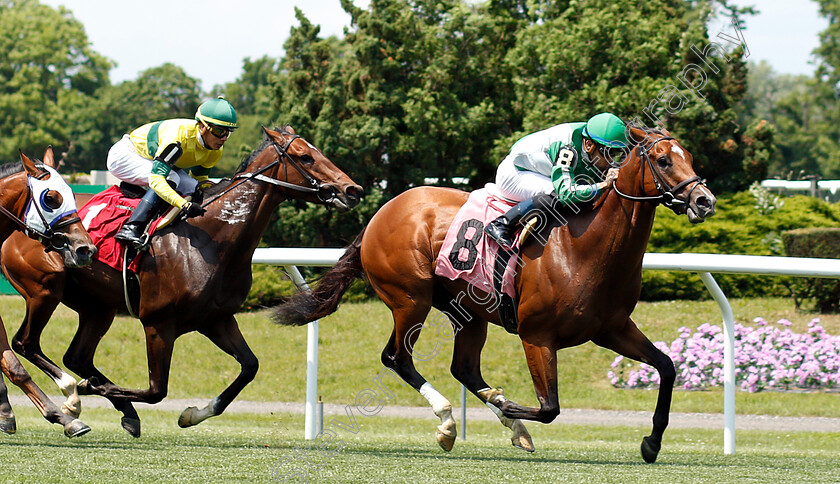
{"x":325,"y":192}
{"x":50,"y":237}
{"x":667,"y":195}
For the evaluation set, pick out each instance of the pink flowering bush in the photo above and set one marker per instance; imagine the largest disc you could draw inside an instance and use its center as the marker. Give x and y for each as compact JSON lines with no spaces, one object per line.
{"x":766,"y":357}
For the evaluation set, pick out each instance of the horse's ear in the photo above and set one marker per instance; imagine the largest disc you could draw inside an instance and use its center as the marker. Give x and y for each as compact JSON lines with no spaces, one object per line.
{"x":49,"y":157}
{"x":289,"y":129}
{"x":28,"y":165}
{"x":636,"y":135}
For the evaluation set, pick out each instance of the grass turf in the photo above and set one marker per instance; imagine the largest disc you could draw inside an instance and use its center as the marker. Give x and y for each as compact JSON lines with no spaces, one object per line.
{"x":267,"y":448}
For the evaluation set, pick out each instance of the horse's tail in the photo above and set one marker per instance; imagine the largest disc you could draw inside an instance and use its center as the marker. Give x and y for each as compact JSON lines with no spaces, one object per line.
{"x":305,"y":306}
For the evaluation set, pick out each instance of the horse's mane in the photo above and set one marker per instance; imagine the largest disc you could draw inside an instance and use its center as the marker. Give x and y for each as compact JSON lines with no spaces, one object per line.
{"x":9,"y":169}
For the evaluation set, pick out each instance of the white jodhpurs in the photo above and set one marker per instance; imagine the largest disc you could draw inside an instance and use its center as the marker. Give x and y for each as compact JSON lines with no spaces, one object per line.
{"x":518,"y":185}
{"x":126,"y":164}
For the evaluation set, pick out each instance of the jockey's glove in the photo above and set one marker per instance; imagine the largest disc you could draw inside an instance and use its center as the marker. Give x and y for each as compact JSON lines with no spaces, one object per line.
{"x":190,"y":210}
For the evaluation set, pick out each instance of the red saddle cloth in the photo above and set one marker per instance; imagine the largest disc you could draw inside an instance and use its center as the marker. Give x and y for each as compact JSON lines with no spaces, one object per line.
{"x":466,"y":253}
{"x":102,"y":216}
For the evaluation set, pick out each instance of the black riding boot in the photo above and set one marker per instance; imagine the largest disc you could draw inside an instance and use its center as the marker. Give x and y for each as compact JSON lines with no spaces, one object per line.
{"x":132,"y":231}
{"x":501,"y":229}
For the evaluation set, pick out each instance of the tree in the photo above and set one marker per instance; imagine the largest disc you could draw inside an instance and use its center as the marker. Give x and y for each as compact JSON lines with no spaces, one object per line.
{"x":48,"y":75}
{"x":161,"y":92}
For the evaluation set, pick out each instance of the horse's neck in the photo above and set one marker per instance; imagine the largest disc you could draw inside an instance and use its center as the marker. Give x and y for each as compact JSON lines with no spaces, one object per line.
{"x":244,"y":213}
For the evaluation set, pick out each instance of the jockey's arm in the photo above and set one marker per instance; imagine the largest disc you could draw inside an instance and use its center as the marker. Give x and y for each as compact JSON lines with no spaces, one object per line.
{"x":158,"y":183}
{"x":568,"y":191}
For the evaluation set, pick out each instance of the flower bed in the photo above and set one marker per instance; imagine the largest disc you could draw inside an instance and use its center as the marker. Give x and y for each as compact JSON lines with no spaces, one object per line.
{"x":767,"y":357}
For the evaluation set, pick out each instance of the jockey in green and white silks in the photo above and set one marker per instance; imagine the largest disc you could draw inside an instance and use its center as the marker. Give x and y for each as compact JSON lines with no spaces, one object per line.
{"x":567,"y":160}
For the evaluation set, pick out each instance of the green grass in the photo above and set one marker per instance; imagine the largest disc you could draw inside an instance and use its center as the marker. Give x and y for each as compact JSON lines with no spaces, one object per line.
{"x":351,"y":341}
{"x":264,"y":448}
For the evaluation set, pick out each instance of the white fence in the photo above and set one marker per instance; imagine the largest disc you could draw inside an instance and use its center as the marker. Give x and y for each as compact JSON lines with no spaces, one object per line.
{"x":703,"y":264}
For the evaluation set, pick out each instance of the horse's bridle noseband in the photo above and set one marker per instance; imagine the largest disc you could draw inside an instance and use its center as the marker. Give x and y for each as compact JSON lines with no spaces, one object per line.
{"x":667,"y":195}
{"x":50,"y":238}
{"x":325,"y":192}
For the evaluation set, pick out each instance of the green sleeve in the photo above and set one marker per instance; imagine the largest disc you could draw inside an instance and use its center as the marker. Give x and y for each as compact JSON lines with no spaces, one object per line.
{"x":160,"y":168}
{"x":566,"y":190}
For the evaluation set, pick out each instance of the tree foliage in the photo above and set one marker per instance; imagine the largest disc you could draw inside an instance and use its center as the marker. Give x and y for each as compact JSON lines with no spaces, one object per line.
{"x":48,"y":75}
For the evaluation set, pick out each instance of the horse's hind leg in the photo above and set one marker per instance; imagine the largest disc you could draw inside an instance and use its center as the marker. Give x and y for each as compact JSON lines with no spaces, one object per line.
{"x":630,"y":342}
{"x":398,"y":356}
{"x":227,"y":336}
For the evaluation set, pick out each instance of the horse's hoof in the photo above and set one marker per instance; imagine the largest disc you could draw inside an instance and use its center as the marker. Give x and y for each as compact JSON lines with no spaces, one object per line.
{"x":445,"y":439}
{"x":76,"y":428}
{"x":650,"y":450}
{"x":524,"y":442}
{"x":521,"y":438}
{"x":186,"y":418}
{"x":131,"y":425}
{"x":8,"y":425}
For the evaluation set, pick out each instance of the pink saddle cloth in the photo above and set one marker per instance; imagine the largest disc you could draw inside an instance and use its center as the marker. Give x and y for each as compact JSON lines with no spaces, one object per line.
{"x":466,"y":253}
{"x":102,"y":216}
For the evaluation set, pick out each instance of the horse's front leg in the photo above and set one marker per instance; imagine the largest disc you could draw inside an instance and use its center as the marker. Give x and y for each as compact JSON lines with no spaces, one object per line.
{"x":630,"y":342}
{"x":466,"y":368}
{"x":160,"y":339}
{"x":542,"y":363}
{"x":225,"y":335}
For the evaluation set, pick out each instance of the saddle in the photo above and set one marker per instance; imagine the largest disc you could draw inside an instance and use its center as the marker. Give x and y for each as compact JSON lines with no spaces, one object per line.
{"x":102,"y":216}
{"x":466,"y":254}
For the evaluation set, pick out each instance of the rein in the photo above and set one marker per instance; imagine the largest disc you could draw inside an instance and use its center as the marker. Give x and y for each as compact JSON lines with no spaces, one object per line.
{"x":667,"y":196}
{"x":326,"y":193}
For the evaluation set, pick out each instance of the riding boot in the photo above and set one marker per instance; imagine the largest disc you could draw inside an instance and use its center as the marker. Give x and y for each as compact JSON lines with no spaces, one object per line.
{"x":501,"y":229}
{"x":132,"y":231}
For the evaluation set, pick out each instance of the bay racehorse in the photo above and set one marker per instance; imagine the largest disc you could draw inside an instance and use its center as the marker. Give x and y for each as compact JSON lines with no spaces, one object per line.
{"x":195,"y":277}
{"x":578,"y":282}
{"x":36,"y":201}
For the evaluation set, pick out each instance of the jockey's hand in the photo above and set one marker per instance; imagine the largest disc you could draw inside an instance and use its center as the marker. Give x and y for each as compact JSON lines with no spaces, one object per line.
{"x":612,"y":175}
{"x":190,"y":210}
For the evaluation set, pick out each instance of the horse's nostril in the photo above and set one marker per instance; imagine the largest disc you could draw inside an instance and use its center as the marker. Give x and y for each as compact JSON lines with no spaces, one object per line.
{"x":354,"y":194}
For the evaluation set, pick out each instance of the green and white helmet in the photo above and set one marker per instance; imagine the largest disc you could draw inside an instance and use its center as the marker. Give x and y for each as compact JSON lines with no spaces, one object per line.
{"x":217,"y":111}
{"x":606,"y":129}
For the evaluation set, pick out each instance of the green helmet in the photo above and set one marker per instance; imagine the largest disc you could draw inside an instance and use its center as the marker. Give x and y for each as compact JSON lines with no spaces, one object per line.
{"x":217,"y":111}
{"x":606,"y":129}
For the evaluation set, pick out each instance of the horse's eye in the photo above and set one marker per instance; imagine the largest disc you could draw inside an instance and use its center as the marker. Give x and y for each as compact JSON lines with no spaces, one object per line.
{"x":52,"y":200}
{"x":307,"y":159}
{"x":662,"y":161}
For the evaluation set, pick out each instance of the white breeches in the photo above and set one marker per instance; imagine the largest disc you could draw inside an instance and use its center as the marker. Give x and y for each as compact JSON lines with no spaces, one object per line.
{"x":518,"y":185}
{"x":126,"y":164}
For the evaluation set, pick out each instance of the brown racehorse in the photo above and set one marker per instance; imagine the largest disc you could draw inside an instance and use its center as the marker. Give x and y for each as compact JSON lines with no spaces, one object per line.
{"x":35,"y":199}
{"x":195,"y":277}
{"x":579,"y":282}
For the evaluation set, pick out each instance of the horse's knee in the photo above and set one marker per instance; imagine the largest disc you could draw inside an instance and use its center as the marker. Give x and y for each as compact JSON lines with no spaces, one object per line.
{"x":547,"y":415}
{"x":20,"y":346}
{"x":667,"y":372}
{"x":73,"y":363}
{"x":155,"y":395}
{"x":250,"y":368}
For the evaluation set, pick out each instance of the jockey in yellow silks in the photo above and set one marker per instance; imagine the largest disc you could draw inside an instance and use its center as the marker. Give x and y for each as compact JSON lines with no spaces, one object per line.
{"x":176,"y":151}
{"x":567,"y":160}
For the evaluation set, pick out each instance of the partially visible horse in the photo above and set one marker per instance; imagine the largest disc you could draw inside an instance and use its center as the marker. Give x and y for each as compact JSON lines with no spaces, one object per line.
{"x":35,"y":200}
{"x":578,"y":282}
{"x":195,"y":277}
